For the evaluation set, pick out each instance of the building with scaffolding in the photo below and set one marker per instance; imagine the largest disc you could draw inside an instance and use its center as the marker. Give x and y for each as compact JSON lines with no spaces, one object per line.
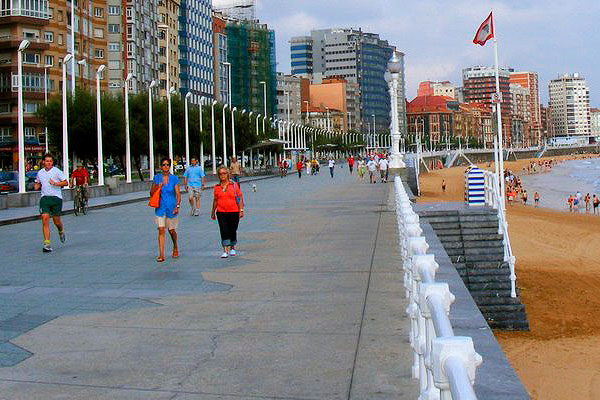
{"x":251,"y":53}
{"x":242,"y":10}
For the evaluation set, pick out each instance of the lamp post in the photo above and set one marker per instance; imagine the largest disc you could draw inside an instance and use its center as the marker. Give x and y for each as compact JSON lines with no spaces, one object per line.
{"x":233,"y":110}
{"x":224,"y":136}
{"x":214,"y":151}
{"x":127,"y":141}
{"x":201,"y":132}
{"x":264,"y":95}
{"x":187,"y":131}
{"x":307,"y":104}
{"x":228,"y":65}
{"x":24,"y":44}
{"x":80,"y":63}
{"x":257,"y":118}
{"x":151,"y":129}
{"x":395,"y":67}
{"x":166,"y":29}
{"x":65,"y":138}
{"x":46,"y":100}
{"x":264,"y":119}
{"x":99,"y":126}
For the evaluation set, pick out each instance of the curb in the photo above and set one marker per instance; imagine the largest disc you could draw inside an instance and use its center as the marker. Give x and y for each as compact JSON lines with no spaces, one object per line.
{"x":30,"y":218}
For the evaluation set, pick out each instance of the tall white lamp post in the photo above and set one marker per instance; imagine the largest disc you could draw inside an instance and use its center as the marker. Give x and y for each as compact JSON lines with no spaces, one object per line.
{"x":214,"y":150}
{"x":99,"y":126}
{"x":170,"y":122}
{"x":264,"y":95}
{"x":24,"y":44}
{"x":224,"y":136}
{"x":65,"y":138}
{"x":395,"y":67}
{"x":46,"y":99}
{"x":257,"y":118}
{"x":187,"y":131}
{"x":202,"y":99}
{"x":151,"y":129}
{"x":127,"y":140}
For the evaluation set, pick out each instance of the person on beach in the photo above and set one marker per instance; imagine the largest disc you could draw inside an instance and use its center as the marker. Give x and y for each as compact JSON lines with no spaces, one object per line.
{"x":524,"y":197}
{"x":570,"y":202}
{"x":227,"y":209}
{"x":50,"y":180}
{"x":444,"y":185}
{"x":536,"y":199}
{"x":587,"y":199}
{"x":595,"y":203}
{"x":195,"y":179}
{"x":168,"y":209}
{"x":578,"y":199}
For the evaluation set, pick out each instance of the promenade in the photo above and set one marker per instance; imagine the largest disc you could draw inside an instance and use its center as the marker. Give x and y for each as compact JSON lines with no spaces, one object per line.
{"x":313,"y":308}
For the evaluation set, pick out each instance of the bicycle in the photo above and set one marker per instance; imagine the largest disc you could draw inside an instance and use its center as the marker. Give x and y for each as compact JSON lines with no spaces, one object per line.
{"x":80,"y":204}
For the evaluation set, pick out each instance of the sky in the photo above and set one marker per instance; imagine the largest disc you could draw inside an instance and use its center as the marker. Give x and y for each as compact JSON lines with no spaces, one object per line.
{"x":549,"y":37}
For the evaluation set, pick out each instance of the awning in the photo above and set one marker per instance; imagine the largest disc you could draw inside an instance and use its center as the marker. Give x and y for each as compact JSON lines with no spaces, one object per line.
{"x":268,"y":143}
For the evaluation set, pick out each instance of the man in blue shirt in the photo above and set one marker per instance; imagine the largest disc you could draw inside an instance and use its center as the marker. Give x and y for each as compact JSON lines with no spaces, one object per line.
{"x":195,"y":177}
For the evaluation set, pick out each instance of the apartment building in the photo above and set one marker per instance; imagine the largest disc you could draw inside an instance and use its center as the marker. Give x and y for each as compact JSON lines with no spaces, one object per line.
{"x":570,"y":105}
{"x":432,"y":88}
{"x":530,"y":81}
{"x":220,"y":66}
{"x":289,"y":98}
{"x":168,"y":46}
{"x":521,"y":117}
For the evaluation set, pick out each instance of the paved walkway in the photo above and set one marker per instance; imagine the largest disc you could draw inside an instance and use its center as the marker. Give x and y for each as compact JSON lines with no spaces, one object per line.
{"x":313,"y":307}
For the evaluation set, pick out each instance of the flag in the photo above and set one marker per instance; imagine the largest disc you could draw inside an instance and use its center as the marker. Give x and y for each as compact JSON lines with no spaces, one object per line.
{"x":485,"y":31}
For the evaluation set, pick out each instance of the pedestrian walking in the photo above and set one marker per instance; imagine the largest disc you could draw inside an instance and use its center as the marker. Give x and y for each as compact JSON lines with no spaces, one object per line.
{"x":195,"y":179}
{"x":383,"y":169}
{"x":587,"y":199}
{"x":351,"y":164}
{"x":299,"y":166}
{"x":50,"y":180}
{"x":443,"y":185}
{"x":372,"y":168}
{"x":235,"y":170}
{"x":227,"y":209}
{"x":362,"y":169}
{"x":536,"y":199}
{"x":168,"y":207}
{"x":524,"y":197}
{"x":331,"y":166}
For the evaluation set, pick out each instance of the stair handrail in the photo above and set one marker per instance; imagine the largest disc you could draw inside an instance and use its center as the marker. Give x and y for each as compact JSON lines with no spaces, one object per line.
{"x":444,"y":364}
{"x":493,"y":199}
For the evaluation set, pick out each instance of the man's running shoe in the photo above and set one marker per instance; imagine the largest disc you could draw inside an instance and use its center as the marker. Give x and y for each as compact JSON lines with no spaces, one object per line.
{"x":62,"y":236}
{"x":224,"y":255}
{"x":232,"y":252}
{"x":47,"y":248}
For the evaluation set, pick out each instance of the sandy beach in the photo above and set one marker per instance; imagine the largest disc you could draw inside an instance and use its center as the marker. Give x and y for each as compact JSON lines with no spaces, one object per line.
{"x":558,"y":273}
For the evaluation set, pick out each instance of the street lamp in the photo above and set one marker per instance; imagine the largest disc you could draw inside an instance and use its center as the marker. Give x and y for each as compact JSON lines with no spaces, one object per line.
{"x":170,"y":92}
{"x":264,"y":119}
{"x":24,"y":44}
{"x":214,"y":151}
{"x":81,"y":63}
{"x":264,"y":95}
{"x":99,"y":126}
{"x":46,"y":99}
{"x":228,"y":65}
{"x":257,"y":118}
{"x":202,"y":98}
{"x":153,"y":84}
{"x":395,"y":67}
{"x":65,"y":146}
{"x":166,"y":29}
{"x":307,"y":103}
{"x":224,"y":136}
{"x":187,"y":131}
{"x":127,"y":140}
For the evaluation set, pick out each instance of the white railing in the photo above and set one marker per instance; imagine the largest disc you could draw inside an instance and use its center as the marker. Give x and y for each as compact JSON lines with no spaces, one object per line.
{"x":494,"y":200}
{"x":444,"y":364}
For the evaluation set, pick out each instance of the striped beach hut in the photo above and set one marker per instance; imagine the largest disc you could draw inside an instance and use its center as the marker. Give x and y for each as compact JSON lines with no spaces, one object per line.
{"x":474,"y":186}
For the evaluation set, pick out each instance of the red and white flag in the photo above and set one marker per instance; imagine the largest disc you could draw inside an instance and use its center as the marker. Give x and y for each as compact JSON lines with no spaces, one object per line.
{"x":485,"y":31}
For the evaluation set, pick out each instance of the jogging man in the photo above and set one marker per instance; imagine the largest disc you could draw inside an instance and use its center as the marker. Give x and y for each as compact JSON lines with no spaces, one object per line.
{"x":51,"y":180}
{"x":350,"y":164}
{"x":195,"y":185}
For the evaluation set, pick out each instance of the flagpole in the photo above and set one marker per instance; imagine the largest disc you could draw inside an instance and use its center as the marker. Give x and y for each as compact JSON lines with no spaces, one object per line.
{"x":499,"y":115}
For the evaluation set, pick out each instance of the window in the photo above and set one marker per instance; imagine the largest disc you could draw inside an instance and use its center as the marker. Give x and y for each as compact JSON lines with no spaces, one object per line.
{"x":98,"y":12}
{"x":49,"y":37}
{"x":60,"y":16}
{"x":50,"y":12}
{"x":60,"y":39}
{"x":49,"y":60}
{"x":99,"y":53}
{"x":30,"y":107}
{"x":31,"y":58}
{"x":98,"y":32}
{"x":114,"y":64}
{"x":5,"y":133}
{"x":114,"y":10}
{"x":114,"y":46}
{"x":4,"y":108}
{"x":29,"y":132}
{"x":114,"y":28}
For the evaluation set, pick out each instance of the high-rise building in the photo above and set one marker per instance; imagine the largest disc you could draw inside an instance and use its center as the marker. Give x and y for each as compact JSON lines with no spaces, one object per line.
{"x":251,"y":53}
{"x":168,"y":15}
{"x":241,"y":10}
{"x":595,"y":122}
{"x":357,"y":56}
{"x":289,"y":97}
{"x":430,"y":88}
{"x":479,"y":86}
{"x":220,"y":67}
{"x":570,"y":105}
{"x":520,"y":116}
{"x":530,"y":81}
{"x":331,"y":94}
{"x":196,"y":48}
{"x":133,"y":32}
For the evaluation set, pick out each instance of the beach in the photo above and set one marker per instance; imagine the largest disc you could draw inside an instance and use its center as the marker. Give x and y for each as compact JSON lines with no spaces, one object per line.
{"x":558,"y":273}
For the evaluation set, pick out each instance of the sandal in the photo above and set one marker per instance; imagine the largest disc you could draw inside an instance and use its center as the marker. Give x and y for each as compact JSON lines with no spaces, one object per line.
{"x":160,"y":259}
{"x":175,"y":254}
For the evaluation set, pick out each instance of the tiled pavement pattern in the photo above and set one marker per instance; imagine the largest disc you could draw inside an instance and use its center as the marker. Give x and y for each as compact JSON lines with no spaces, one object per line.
{"x":311,"y":309}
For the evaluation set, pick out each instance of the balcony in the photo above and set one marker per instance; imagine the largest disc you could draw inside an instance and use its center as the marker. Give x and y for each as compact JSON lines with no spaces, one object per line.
{"x":12,"y":42}
{"x":11,"y":11}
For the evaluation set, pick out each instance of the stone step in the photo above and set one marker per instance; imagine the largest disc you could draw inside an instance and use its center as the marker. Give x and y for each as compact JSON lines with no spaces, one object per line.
{"x":510,"y":325}
{"x":455,"y":252}
{"x":490,"y":285}
{"x":444,"y":225}
{"x":481,"y":243}
{"x":502,"y":308}
{"x":478,"y":224}
{"x":473,"y":258}
{"x":464,"y":272}
{"x":445,"y":232}
{"x":453,"y":245}
{"x":482,"y":237}
{"x":504,"y":315}
{"x":484,"y":299}
{"x":477,"y":218}
{"x":490,"y":293}
{"x":484,"y":250}
{"x":478,"y":231}
{"x":434,"y":220}
{"x":437,"y":213}
{"x":473,"y":279}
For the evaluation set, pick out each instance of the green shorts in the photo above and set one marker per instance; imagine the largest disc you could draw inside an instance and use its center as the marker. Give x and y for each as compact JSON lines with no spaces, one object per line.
{"x":51,"y":205}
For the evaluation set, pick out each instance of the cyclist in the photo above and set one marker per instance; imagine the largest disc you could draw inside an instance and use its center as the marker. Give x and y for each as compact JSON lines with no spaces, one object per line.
{"x":79,"y":180}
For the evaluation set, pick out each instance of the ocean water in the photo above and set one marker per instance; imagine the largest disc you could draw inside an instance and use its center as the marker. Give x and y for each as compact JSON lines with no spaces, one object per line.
{"x":564,"y":179}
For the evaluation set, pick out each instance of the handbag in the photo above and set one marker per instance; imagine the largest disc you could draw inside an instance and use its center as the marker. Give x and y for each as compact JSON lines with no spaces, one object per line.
{"x":237,"y":198}
{"x":154,"y":201}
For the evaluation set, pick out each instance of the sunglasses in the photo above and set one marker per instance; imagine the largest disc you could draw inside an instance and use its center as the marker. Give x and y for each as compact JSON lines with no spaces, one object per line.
{"x":166,"y":165}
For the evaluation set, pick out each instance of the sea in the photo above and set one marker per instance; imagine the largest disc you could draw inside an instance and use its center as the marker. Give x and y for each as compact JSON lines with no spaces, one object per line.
{"x":564,"y":179}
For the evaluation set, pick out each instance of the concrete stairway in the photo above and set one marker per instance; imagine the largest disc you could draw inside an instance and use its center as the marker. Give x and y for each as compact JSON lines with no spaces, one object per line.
{"x":471,"y":240}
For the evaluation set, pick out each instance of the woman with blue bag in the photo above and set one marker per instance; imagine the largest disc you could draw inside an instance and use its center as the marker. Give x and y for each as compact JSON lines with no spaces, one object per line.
{"x":227,"y":209}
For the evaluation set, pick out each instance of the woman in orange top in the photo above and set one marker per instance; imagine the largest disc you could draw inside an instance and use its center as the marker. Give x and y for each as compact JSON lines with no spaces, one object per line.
{"x":228,"y":208}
